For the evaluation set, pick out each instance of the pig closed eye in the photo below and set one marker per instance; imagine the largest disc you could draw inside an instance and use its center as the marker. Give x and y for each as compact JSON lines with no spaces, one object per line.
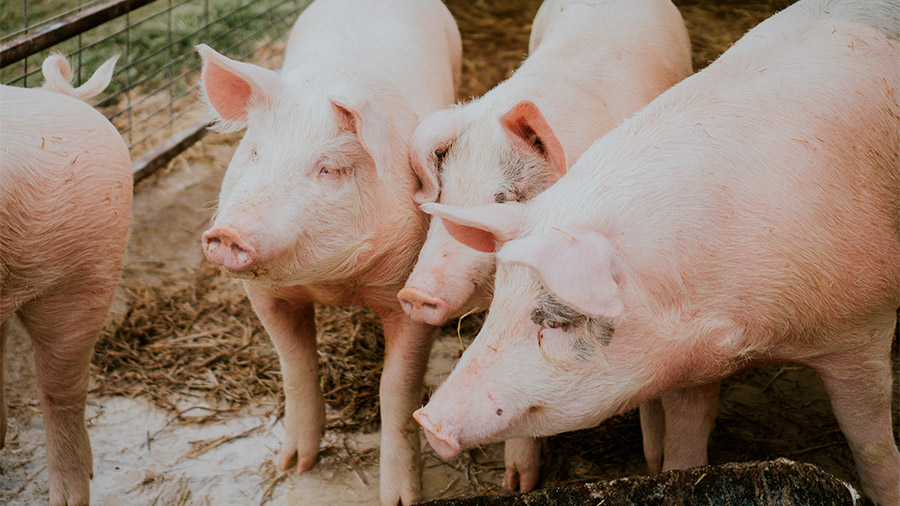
{"x":501,"y":197}
{"x":329,"y":172}
{"x":551,"y":324}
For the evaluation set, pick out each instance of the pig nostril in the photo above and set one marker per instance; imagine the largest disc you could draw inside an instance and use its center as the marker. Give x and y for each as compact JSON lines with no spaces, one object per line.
{"x":213,"y":242}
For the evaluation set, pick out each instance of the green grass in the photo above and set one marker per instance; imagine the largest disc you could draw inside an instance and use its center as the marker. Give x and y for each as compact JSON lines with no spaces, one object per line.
{"x":157,"y":65}
{"x":151,"y":37}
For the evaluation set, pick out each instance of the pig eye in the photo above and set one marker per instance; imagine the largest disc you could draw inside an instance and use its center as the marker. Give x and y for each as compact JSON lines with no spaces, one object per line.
{"x":506,"y":196}
{"x":329,"y":172}
{"x":551,"y":324}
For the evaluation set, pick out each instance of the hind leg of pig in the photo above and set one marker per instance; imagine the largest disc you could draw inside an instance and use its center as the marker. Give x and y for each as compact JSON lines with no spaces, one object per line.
{"x":292,"y":328}
{"x":859,"y":385}
{"x":407,"y":345}
{"x":523,"y":463}
{"x":64,"y":329}
{"x":690,"y":414}
{"x":653,"y":432}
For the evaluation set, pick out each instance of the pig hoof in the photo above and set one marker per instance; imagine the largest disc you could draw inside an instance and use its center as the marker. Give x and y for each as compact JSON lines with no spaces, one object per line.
{"x":520,"y":481}
{"x":289,"y":456}
{"x":305,"y":464}
{"x":70,"y":494}
{"x":405,"y":497}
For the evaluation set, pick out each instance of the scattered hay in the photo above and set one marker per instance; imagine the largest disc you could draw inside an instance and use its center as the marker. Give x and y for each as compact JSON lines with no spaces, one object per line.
{"x":205,"y":342}
{"x":495,"y":40}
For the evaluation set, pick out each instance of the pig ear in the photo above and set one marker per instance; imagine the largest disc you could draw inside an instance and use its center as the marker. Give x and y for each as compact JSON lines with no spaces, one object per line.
{"x":577,"y":268}
{"x":525,"y":126}
{"x":431,"y":139}
{"x":480,"y":227}
{"x":230,"y":86}
{"x":369,"y":124}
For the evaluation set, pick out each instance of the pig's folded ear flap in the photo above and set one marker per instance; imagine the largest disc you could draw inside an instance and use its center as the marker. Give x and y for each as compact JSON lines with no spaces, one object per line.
{"x":231,"y":87}
{"x":369,"y":124}
{"x":526,"y":127}
{"x":480,"y":227}
{"x":579,"y":269}
{"x":431,"y":139}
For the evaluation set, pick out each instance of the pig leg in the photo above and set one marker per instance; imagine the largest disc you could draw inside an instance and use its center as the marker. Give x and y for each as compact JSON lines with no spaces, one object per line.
{"x":64,"y":328}
{"x":523,"y":463}
{"x":407,"y":345}
{"x":4,"y":325}
{"x":292,"y":328}
{"x":653,"y":430}
{"x":858,"y":382}
{"x":690,"y":414}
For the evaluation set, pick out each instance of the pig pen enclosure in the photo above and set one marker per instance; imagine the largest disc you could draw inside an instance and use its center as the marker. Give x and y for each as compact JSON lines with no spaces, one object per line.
{"x":185,"y":398}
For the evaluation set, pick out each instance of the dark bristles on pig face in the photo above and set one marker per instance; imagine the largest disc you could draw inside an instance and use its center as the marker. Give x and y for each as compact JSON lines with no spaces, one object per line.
{"x":524,"y":176}
{"x":551,"y":314}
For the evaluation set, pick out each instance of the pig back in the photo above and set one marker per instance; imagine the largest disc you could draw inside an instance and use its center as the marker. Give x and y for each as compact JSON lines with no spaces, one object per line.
{"x":374,"y":41}
{"x":65,"y":197}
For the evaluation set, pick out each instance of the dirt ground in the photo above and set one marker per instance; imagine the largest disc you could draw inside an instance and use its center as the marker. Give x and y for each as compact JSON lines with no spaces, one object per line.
{"x":205,"y":443}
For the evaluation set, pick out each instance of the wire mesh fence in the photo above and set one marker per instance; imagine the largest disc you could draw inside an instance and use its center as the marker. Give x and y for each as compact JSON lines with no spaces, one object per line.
{"x":152,"y":99}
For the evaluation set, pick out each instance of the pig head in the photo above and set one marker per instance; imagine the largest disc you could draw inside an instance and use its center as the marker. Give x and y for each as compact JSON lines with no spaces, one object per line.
{"x":549,"y":323}
{"x":315,"y":177}
{"x":520,"y":157}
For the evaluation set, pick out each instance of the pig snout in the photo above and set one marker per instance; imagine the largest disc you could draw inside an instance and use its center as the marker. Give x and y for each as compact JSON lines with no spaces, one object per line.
{"x":420,"y":305}
{"x":228,"y":249}
{"x":446,"y":444}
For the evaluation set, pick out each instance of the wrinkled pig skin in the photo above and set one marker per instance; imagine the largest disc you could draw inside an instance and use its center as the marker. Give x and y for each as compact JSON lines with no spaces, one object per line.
{"x":65,"y":206}
{"x":317,"y":203}
{"x":590,"y":66}
{"x":749,"y":214}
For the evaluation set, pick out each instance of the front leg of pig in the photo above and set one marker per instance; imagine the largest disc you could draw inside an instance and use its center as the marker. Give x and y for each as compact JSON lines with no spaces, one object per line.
{"x":522,"y":456}
{"x":653,"y":432}
{"x":63,"y":328}
{"x":676,"y":427}
{"x":690,"y":414}
{"x":858,"y":382}
{"x":407,"y":345}
{"x":292,"y":327}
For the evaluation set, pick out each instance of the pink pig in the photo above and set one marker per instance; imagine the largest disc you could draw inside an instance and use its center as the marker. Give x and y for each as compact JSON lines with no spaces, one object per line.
{"x":317,"y":204}
{"x":750,"y":214}
{"x":65,"y":205}
{"x":520,"y":137}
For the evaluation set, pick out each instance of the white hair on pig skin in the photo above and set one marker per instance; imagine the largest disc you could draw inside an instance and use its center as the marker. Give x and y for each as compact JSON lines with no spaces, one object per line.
{"x":590,"y":66}
{"x":317,"y":203}
{"x":748,"y":215}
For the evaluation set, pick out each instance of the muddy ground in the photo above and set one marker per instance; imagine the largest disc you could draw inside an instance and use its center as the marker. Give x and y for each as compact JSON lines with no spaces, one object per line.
{"x":189,"y":435}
